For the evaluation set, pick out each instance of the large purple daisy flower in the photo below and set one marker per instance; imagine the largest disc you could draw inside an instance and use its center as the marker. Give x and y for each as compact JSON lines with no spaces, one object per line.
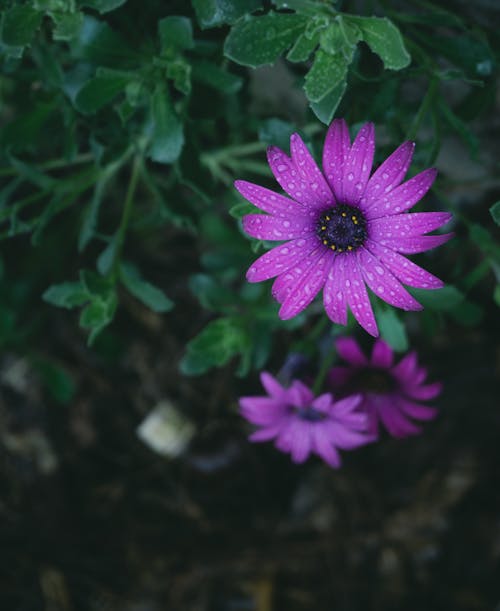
{"x":302,"y":424}
{"x":344,"y":227}
{"x":391,"y":392}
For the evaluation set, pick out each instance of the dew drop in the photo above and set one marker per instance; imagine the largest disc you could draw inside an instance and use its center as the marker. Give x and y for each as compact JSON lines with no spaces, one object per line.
{"x":350,"y":176}
{"x":286,"y":223}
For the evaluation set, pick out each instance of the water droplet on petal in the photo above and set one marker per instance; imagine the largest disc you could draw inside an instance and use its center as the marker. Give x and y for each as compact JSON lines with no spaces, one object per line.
{"x":350,"y":176}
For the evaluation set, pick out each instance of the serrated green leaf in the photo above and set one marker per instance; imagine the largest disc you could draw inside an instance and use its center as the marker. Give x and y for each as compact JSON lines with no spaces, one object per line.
{"x":166,"y":127}
{"x":303,"y":47}
{"x":101,"y":90}
{"x":326,"y":107}
{"x":211,"y":13}
{"x":384,"y":39}
{"x":392,"y":329}
{"x":97,"y":43}
{"x":495,"y":212}
{"x":220,"y":340}
{"x":328,"y":72}
{"x":179,"y":71}
{"x":210,"y":74}
{"x":257,"y":41}
{"x":96,"y":285}
{"x":176,"y":34}
{"x":67,"y":25}
{"x":103,"y":6}
{"x":66,"y":295}
{"x":150,"y":295}
{"x":19,"y":25}
{"x":97,"y":315}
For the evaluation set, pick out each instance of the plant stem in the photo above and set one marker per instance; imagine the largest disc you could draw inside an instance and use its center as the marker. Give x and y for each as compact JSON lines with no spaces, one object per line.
{"x":422,"y":111}
{"x":325,"y":366}
{"x":53,"y":164}
{"x":127,"y":211}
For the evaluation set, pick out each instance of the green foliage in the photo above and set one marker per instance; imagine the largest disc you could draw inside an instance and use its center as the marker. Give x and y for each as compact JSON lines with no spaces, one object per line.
{"x":120,"y":145}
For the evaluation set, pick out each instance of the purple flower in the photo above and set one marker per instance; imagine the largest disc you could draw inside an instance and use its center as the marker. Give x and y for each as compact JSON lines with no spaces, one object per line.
{"x":344,"y":227}
{"x":302,"y":424}
{"x":391,"y":393}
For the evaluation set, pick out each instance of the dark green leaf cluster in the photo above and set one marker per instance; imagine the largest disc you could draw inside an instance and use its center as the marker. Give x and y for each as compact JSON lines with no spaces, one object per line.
{"x":124,"y":124}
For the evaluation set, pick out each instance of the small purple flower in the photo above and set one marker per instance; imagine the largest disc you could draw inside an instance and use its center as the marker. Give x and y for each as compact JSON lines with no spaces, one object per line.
{"x":391,"y":393}
{"x":302,"y":424}
{"x":343,"y":228}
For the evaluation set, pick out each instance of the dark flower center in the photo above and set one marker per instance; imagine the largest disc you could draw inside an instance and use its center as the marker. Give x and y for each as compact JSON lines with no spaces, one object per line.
{"x":308,"y":413}
{"x":342,"y":227}
{"x":378,"y":381}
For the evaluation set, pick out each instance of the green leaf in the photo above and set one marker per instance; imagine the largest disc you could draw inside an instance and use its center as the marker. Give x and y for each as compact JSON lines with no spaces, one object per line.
{"x":210,"y":74}
{"x":211,"y":13}
{"x":97,"y":43}
{"x":257,"y":41}
{"x":150,"y":295}
{"x":67,"y":25}
{"x":495,"y":212}
{"x":443,"y":299}
{"x":19,"y":25}
{"x":219,"y":341}
{"x":211,"y":294}
{"x":384,"y":39}
{"x":303,"y":47}
{"x":180,"y":72}
{"x":176,"y":34}
{"x":96,"y":285}
{"x":66,"y":295}
{"x":166,"y":127}
{"x":101,"y":90}
{"x":326,"y":107}
{"x":103,"y":6}
{"x":107,"y":257}
{"x":328,"y":72}
{"x":57,"y":379}
{"x":276,"y":132}
{"x":392,"y":329}
{"x":97,"y":315}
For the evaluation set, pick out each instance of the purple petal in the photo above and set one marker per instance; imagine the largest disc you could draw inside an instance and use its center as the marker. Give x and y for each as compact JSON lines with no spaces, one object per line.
{"x":290,"y":178}
{"x":265,"y":227}
{"x":424,"y":393}
{"x":281,"y":258}
{"x":323,"y":403}
{"x":345,"y":438}
{"x":296,"y":439}
{"x":357,"y":297}
{"x":335,"y":151}
{"x":334,"y":297}
{"x":407,"y":225}
{"x":285,"y":283}
{"x":384,"y":284}
{"x":359,"y":164}
{"x":405,"y":370}
{"x":310,"y":172}
{"x":382,"y":355}
{"x":308,"y":287}
{"x":348,"y":348}
{"x":299,"y":394}
{"x":262,"y":411}
{"x":267,"y":433}
{"x":415,"y":245}
{"x":389,"y":175}
{"x":404,"y":269}
{"x":324,"y":448}
{"x":403,"y":197}
{"x":271,"y":385}
{"x":268,"y":200}
{"x":396,"y":423}
{"x":417,"y":411}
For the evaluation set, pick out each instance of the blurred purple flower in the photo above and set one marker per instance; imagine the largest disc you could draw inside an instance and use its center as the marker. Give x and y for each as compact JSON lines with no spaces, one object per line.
{"x":391,"y":393}
{"x":344,"y":227}
{"x":302,"y":424}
